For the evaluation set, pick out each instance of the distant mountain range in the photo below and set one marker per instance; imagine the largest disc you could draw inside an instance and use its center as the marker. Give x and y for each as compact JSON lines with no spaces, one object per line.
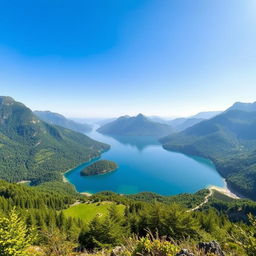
{"x":229,"y":140}
{"x":182,"y":123}
{"x":135,"y":126}
{"x":60,"y":120}
{"x":34,"y":150}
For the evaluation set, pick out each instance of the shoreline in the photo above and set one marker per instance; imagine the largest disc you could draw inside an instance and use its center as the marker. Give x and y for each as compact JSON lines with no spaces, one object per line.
{"x":225,"y":190}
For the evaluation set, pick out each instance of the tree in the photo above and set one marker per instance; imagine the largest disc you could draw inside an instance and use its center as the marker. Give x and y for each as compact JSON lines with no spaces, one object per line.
{"x":15,"y":238}
{"x":247,"y":238}
{"x":57,"y":243}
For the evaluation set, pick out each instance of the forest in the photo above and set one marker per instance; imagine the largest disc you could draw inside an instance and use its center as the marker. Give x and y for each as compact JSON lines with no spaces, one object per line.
{"x":148,"y":225}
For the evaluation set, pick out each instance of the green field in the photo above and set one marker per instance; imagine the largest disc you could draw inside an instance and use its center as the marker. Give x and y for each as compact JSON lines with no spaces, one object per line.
{"x":88,"y":211}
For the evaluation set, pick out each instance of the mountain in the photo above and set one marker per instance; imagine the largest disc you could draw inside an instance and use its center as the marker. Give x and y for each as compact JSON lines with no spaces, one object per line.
{"x":243,"y":106}
{"x":229,"y":140}
{"x":206,"y":114}
{"x":34,"y":150}
{"x":182,"y":123}
{"x":60,"y":120}
{"x":135,"y":126}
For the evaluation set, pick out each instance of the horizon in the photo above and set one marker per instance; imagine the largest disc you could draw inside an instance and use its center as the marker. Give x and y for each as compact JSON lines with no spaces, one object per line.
{"x":109,"y":58}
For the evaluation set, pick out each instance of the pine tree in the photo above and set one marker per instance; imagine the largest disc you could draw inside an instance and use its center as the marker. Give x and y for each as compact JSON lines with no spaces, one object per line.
{"x":14,"y":236}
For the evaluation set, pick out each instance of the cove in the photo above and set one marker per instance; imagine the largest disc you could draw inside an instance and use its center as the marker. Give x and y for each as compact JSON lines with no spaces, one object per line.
{"x":145,"y":166}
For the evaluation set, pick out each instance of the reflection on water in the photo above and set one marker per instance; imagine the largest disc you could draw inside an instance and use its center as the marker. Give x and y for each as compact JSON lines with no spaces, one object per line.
{"x":145,"y":166}
{"x":139,"y":142}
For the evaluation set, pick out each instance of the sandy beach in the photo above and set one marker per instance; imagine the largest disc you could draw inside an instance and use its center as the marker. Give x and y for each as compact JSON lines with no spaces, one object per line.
{"x":224,"y":191}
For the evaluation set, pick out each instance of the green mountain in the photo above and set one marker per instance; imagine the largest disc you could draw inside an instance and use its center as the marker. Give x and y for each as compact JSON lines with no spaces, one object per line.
{"x":135,"y":126}
{"x":229,"y":140}
{"x":34,"y":150}
{"x":60,"y":120}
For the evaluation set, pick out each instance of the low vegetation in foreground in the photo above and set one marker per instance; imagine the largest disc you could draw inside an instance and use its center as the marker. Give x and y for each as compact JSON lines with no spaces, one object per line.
{"x":41,"y":221}
{"x":99,"y":167}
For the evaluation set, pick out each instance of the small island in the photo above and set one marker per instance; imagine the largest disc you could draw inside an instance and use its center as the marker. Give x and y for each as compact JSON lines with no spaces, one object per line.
{"x":99,"y":167}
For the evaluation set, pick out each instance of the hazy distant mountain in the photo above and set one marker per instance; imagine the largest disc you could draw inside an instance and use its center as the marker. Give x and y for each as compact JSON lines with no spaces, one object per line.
{"x":135,"y":126}
{"x":94,"y":120}
{"x":243,"y":106}
{"x":229,"y":139}
{"x":159,"y":119}
{"x":57,"y":119}
{"x":34,"y":150}
{"x":206,"y":114}
{"x":181,"y":124}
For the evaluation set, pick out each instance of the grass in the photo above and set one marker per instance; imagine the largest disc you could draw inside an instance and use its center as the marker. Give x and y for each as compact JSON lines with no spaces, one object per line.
{"x":87,"y":212}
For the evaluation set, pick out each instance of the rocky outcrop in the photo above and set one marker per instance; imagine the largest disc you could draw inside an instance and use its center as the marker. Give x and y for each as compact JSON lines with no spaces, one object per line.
{"x":185,"y":252}
{"x":211,"y":247}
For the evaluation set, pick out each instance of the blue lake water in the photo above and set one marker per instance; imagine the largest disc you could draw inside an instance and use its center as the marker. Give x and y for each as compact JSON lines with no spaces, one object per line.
{"x":145,"y":166}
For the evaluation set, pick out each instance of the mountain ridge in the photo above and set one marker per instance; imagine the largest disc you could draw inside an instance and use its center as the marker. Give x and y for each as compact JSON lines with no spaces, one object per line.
{"x":138,"y":125}
{"x":60,"y":120}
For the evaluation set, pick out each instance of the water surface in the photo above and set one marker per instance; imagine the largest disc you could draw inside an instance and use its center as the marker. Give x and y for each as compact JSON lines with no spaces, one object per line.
{"x":145,"y":166}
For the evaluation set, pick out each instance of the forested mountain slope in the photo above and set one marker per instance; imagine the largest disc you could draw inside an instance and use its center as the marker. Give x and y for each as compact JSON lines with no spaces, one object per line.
{"x":34,"y":150}
{"x":229,"y":140}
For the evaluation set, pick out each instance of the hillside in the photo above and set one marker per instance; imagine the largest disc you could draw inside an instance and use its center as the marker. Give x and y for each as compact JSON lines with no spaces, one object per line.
{"x":60,"y":120}
{"x":34,"y":150}
{"x":135,"y":126}
{"x":229,"y":140}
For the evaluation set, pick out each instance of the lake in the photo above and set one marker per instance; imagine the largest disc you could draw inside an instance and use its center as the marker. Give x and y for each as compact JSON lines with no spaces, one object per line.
{"x":145,"y":166}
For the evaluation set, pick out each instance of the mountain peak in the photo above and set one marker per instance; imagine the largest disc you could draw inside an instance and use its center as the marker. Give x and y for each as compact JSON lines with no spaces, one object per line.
{"x":249,"y":107}
{"x":6,"y":100}
{"x":141,"y":116}
{"x":138,"y":125}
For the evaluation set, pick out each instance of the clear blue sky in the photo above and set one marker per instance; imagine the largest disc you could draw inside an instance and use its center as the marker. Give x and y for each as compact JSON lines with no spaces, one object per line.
{"x":113,"y":57}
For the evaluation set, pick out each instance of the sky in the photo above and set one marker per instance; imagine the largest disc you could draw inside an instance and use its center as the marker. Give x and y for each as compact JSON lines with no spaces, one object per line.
{"x":106,"y":58}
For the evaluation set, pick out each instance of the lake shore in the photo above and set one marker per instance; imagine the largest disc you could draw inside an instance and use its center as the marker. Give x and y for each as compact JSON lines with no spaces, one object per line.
{"x":224,"y":191}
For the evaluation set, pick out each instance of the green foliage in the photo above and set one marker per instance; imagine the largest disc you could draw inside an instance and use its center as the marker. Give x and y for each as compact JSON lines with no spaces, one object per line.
{"x":247,"y":237}
{"x":99,"y":167}
{"x":105,"y":233}
{"x":57,"y":244}
{"x":154,"y":247}
{"x":186,"y":200}
{"x":15,"y":238}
